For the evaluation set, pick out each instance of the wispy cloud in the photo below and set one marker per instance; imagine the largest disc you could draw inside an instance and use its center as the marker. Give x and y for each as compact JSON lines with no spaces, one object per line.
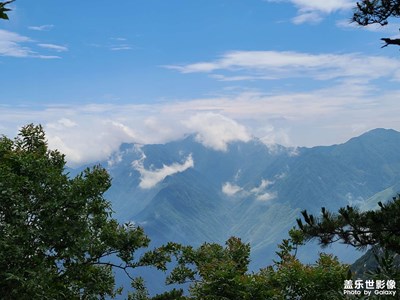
{"x":150,"y":178}
{"x":62,"y":123}
{"x":113,"y":47}
{"x":260,"y":193}
{"x":314,"y":11}
{"x":120,"y":47}
{"x":46,"y":27}
{"x":312,"y":17}
{"x":120,"y":39}
{"x":11,"y":44}
{"x":261,"y":188}
{"x":391,"y":29}
{"x":54,"y":47}
{"x":327,"y":6}
{"x":120,"y":44}
{"x":270,"y":65}
{"x":14,"y":45}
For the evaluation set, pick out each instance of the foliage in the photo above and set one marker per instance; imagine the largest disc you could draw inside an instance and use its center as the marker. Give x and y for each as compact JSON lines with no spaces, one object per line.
{"x":376,"y":11}
{"x":141,"y":293}
{"x":57,"y":234}
{"x":353,"y":227}
{"x":378,"y":264}
{"x":376,"y":228}
{"x":388,"y":265}
{"x":290,"y":279}
{"x":4,"y":9}
{"x":370,"y":12}
{"x":217,"y":272}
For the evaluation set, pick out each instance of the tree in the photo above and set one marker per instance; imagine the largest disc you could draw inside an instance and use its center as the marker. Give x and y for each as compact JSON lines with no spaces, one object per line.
{"x":4,"y":9}
{"x":379,"y":229}
{"x":290,"y":279}
{"x":56,"y":232}
{"x":356,"y":228}
{"x":216,"y":272}
{"x":370,"y":12}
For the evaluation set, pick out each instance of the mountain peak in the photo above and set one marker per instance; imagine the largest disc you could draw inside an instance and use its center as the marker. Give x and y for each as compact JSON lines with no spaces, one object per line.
{"x":374,"y":138}
{"x":380,"y":132}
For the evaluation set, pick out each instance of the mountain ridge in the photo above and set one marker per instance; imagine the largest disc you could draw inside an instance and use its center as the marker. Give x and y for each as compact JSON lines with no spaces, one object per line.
{"x":251,"y":190}
{"x":195,"y":194}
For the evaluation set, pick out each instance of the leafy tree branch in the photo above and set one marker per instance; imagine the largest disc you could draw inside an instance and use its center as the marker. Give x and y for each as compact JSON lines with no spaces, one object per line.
{"x":4,"y":9}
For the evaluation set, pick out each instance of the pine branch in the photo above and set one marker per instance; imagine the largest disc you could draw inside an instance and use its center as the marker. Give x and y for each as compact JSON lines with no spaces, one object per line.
{"x":389,"y":41}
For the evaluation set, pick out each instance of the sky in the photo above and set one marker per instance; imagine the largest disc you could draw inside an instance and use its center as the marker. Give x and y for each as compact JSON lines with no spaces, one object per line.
{"x":99,"y":73}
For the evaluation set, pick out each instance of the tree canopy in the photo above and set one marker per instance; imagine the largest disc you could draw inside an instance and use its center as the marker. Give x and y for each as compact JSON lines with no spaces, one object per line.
{"x":218,"y":272}
{"x":57,"y":233}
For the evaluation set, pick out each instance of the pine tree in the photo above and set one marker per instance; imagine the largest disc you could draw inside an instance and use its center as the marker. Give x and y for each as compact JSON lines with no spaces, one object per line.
{"x":356,"y":228}
{"x":370,"y":12}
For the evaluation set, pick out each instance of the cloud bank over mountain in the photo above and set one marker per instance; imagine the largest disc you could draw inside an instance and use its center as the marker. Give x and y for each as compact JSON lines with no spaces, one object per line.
{"x":91,"y":132}
{"x":216,"y":131}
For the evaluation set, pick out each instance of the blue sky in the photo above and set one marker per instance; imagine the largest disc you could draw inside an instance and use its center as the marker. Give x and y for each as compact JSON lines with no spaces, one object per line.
{"x":99,"y":73}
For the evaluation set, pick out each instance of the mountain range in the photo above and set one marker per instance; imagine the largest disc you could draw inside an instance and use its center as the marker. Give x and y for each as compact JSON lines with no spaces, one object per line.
{"x":186,"y":192}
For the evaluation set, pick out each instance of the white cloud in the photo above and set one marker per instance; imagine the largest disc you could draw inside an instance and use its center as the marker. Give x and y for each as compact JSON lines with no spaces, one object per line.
{"x":390,"y":30}
{"x":91,"y":132}
{"x":10,"y":44}
{"x":268,"y":65}
{"x":120,"y":47}
{"x":270,"y":135}
{"x":67,"y":122}
{"x":261,"y":188}
{"x":326,"y":6}
{"x":62,"y":123}
{"x":307,"y":17}
{"x":85,"y":139}
{"x":150,"y":178}
{"x":14,"y":45}
{"x":54,"y":47}
{"x":266,"y":196}
{"x":120,"y":39}
{"x":216,"y":131}
{"x":114,"y":159}
{"x":313,"y":11}
{"x":260,"y":192}
{"x":120,"y":44}
{"x":41,"y":27}
{"x":230,"y":189}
